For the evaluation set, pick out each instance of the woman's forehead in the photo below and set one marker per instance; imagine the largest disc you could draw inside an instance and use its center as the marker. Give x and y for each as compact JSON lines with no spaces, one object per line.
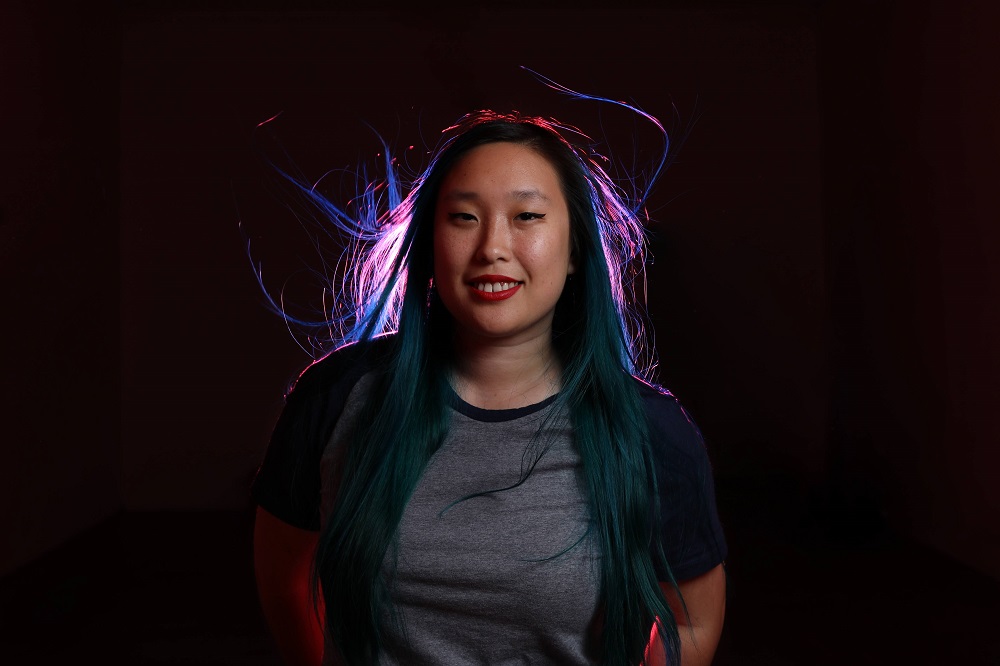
{"x":511,"y":170}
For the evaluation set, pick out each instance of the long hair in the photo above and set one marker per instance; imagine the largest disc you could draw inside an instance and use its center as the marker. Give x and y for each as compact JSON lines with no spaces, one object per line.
{"x":597,"y":334}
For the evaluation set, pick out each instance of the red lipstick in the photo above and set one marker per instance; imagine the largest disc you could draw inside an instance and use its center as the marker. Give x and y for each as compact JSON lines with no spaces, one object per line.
{"x":494,"y":287}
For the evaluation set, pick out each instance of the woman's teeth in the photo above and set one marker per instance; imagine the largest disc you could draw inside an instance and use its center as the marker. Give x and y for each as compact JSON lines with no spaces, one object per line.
{"x":490,"y":287}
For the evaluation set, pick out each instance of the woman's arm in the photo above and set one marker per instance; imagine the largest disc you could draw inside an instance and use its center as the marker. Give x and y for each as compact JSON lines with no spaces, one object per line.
{"x":283,"y":557}
{"x":699,"y":629}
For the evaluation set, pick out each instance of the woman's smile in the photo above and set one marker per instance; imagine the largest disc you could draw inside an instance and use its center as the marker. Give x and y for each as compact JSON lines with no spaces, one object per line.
{"x":494,"y":287}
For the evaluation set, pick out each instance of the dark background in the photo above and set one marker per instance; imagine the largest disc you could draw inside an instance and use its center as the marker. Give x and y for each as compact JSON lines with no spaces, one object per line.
{"x":824,"y":293}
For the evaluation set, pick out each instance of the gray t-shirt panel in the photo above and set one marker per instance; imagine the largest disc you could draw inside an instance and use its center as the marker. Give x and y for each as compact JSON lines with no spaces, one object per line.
{"x":477,"y":582}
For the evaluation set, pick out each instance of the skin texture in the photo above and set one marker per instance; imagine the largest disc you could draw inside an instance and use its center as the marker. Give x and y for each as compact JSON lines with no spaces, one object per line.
{"x":501,"y":212}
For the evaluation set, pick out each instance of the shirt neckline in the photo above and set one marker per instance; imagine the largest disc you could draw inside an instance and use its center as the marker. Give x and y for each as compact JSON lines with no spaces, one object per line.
{"x":495,"y":415}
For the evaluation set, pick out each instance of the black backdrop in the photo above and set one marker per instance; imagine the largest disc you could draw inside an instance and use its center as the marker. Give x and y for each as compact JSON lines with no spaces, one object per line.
{"x":823,"y":291}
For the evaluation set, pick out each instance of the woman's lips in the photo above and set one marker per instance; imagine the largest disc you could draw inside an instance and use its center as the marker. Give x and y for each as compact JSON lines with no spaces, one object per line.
{"x":494,"y":287}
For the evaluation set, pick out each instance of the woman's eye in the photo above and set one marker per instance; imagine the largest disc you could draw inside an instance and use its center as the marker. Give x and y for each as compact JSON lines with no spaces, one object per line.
{"x":466,"y":217}
{"x":530,"y":216}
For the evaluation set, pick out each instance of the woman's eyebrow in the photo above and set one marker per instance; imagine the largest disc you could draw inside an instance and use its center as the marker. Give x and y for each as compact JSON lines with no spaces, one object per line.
{"x":522,"y":195}
{"x":518,"y":195}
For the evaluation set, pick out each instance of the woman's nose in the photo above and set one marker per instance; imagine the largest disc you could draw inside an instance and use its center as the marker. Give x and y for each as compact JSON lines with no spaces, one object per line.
{"x":494,"y":244}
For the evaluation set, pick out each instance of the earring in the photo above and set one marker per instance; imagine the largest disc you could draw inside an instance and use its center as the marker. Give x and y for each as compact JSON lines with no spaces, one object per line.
{"x":431,"y":299}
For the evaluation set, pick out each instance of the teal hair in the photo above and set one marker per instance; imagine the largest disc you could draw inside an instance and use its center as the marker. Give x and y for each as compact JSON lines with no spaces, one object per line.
{"x":597,"y":334}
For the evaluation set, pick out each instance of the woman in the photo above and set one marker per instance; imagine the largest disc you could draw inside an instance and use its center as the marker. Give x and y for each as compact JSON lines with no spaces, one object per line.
{"x":477,"y":475}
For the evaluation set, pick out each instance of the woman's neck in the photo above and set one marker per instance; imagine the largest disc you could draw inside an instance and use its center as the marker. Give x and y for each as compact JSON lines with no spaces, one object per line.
{"x":500,"y":375}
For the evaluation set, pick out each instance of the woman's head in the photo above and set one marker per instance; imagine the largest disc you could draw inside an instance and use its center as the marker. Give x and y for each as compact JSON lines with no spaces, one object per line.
{"x":532,"y":148}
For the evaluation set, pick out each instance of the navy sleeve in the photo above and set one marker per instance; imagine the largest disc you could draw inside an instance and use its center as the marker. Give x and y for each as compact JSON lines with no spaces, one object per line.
{"x":689,"y":528}
{"x":288,"y":483}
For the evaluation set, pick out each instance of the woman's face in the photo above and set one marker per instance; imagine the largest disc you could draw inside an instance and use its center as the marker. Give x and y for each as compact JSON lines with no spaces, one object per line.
{"x":502,"y":243}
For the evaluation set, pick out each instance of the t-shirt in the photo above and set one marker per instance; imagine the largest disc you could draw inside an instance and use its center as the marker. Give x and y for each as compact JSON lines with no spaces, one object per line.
{"x":505,"y":577}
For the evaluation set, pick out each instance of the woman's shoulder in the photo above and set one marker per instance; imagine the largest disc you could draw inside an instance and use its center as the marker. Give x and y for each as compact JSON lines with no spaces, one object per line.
{"x":346,"y":363}
{"x":690,"y":531}
{"x":672,"y":430}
